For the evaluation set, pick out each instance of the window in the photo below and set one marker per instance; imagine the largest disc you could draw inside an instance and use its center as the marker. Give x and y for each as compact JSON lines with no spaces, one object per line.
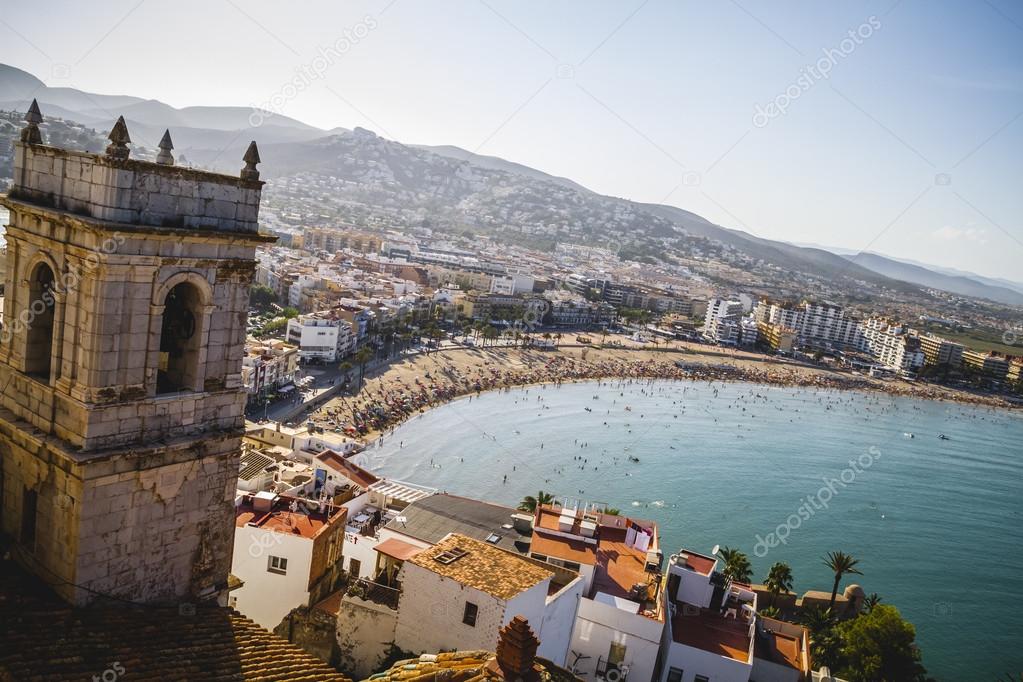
{"x":674,"y":675}
{"x":469,"y":615}
{"x":179,"y":340}
{"x":277,"y":564}
{"x":571,"y":565}
{"x":39,"y":340}
{"x":701,"y":678}
{"x":539,"y":557}
{"x":354,"y":567}
{"x":29,"y":504}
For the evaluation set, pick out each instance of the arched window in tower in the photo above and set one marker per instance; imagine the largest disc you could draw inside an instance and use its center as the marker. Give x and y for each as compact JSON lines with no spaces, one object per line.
{"x":179,"y":340}
{"x":39,"y":340}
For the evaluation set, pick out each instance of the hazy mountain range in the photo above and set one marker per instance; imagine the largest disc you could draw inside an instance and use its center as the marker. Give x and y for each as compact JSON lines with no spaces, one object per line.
{"x":447,"y":178}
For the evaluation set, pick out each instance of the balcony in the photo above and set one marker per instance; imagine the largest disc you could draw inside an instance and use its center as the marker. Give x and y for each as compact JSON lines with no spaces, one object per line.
{"x":373,"y":591}
{"x":611,"y":672}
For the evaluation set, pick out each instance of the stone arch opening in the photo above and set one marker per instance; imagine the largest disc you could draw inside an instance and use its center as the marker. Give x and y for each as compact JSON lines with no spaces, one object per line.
{"x":40,"y":315}
{"x":180,"y":337}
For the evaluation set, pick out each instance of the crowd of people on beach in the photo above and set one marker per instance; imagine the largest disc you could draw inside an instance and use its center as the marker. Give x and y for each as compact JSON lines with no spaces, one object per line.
{"x":383,"y":403}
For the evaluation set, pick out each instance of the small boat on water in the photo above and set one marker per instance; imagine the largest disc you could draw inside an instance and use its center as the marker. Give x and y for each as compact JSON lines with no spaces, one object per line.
{"x":942,"y":436}
{"x":633,"y":458}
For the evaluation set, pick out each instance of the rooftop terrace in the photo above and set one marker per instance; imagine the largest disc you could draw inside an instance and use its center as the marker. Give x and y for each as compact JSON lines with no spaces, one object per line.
{"x":284,"y":515}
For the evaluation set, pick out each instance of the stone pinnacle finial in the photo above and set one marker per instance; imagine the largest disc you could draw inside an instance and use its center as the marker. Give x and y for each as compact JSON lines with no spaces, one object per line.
{"x":251,"y":158}
{"x":119,"y":139}
{"x":33,"y":117}
{"x":165,"y":157}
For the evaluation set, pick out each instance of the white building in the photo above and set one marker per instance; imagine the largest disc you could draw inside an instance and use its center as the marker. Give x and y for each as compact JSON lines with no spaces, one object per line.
{"x":458,"y":593}
{"x":322,"y":337}
{"x":299,"y":444}
{"x":721,"y":324}
{"x":893,"y":345}
{"x":714,"y":634}
{"x":287,"y":552}
{"x":618,"y":628}
{"x":813,"y":322}
{"x":268,"y":365}
{"x":511,"y":283}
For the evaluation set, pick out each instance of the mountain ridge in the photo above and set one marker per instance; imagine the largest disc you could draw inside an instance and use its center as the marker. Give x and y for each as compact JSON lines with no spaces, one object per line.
{"x":464,"y":183}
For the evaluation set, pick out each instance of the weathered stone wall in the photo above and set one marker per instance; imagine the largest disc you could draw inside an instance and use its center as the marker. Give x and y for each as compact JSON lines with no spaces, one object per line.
{"x":154,"y":525}
{"x":430,"y":613}
{"x":111,"y":287}
{"x":313,"y":630}
{"x":365,"y":636}
{"x":135,"y":488}
{"x":134,"y":191}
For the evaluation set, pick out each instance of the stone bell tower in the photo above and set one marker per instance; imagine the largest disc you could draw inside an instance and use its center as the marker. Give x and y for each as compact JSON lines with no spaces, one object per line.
{"x":121,"y":405}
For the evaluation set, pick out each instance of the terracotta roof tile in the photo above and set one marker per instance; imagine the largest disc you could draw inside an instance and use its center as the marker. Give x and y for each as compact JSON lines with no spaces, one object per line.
{"x":42,"y":639}
{"x":484,"y":567}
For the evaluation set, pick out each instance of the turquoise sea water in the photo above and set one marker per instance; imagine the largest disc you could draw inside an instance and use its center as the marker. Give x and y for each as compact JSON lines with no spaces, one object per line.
{"x":936,"y":524}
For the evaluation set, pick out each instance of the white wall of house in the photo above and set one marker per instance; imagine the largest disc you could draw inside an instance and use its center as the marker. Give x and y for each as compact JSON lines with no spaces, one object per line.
{"x":267,"y":597}
{"x":694,"y":588}
{"x":768,"y":671}
{"x":598,"y":625}
{"x":555,"y":629}
{"x":430,"y":614}
{"x":361,"y":548}
{"x":693,"y":662}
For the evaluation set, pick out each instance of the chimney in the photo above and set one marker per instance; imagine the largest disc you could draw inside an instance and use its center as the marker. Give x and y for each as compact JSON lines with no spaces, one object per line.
{"x":516,"y":652}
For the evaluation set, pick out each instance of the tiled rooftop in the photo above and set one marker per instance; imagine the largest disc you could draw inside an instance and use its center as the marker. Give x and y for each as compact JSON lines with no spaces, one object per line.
{"x":620,"y":567}
{"x":431,"y":518}
{"x":780,"y":643}
{"x":44,"y":639}
{"x":281,"y":519}
{"x":484,"y":567}
{"x":560,"y":547}
{"x":460,"y":666}
{"x":697,"y":562}
{"x":708,"y":630}
{"x":347,"y":468}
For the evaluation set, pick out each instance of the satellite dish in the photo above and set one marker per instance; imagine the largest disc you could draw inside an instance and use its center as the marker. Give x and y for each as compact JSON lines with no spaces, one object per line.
{"x":717,"y":548}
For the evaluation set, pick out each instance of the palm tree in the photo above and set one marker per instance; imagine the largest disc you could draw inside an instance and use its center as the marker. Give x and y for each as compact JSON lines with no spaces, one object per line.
{"x":346,"y":368}
{"x":870,"y":602}
{"x":362,"y":357}
{"x":530,"y":503}
{"x":818,"y":620}
{"x":737,"y":566}
{"x":770,"y":612}
{"x":779,"y":580}
{"x":840,"y":563}
{"x":824,"y":643}
{"x":489,"y":334}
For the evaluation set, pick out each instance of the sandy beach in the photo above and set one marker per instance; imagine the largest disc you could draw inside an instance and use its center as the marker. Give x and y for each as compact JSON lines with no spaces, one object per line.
{"x":415,"y":383}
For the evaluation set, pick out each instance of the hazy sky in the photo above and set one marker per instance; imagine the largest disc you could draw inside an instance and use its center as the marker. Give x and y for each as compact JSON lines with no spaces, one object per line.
{"x":905,"y":139}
